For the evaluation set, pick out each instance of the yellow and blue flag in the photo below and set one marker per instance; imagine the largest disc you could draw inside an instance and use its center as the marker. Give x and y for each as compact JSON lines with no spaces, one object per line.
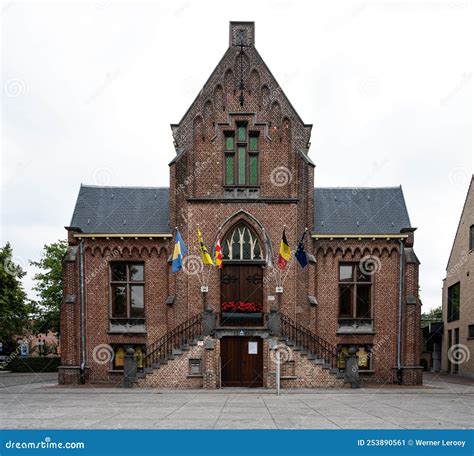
{"x":178,"y":252}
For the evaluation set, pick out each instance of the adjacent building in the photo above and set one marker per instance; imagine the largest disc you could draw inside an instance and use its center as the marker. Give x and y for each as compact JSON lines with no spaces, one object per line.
{"x":458,"y":296}
{"x":242,"y":172}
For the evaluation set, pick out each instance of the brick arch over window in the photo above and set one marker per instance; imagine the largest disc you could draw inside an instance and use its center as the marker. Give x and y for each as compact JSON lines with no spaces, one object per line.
{"x":242,"y":244}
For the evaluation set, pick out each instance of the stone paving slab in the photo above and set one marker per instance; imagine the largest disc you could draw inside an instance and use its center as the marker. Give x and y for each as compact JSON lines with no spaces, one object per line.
{"x":34,"y":401}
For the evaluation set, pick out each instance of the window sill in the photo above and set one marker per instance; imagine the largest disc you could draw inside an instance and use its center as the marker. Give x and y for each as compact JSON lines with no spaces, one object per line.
{"x":194,"y":376}
{"x":344,"y":331}
{"x":288,"y":377}
{"x":366,"y":371}
{"x":115,"y":371}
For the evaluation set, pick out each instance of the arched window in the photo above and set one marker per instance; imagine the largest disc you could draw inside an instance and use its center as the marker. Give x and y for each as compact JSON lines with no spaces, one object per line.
{"x":241,"y":244}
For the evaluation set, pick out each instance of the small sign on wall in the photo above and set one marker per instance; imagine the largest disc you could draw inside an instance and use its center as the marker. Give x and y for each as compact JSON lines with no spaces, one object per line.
{"x":253,"y":348}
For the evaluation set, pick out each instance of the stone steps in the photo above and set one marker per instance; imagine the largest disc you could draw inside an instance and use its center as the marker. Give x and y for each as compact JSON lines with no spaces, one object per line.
{"x":311,"y":357}
{"x":175,"y":353}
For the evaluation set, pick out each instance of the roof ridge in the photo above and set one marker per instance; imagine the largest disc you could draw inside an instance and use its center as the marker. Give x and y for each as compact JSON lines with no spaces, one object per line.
{"x":356,"y":187}
{"x":124,"y":186}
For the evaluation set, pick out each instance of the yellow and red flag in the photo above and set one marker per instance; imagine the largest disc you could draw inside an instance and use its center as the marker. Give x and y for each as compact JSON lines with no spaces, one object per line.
{"x":284,"y":253}
{"x":206,"y":258}
{"x":218,"y":258}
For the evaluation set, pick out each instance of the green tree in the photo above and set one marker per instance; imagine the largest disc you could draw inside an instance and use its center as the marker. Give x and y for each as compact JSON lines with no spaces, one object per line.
{"x":435,"y":314}
{"x":49,"y":286}
{"x":14,"y":307}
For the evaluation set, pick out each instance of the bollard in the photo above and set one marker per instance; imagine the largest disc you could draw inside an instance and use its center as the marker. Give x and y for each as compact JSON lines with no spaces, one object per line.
{"x":352,"y":368}
{"x":129,"y":368}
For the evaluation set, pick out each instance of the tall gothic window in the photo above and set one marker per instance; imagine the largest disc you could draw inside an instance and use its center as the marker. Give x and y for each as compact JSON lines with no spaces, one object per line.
{"x":241,"y":156}
{"x":241,"y":244}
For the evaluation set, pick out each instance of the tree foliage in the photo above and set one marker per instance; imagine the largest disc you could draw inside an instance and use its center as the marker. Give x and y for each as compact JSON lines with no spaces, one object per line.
{"x":49,"y":286}
{"x":433,"y":315}
{"x":14,"y":307}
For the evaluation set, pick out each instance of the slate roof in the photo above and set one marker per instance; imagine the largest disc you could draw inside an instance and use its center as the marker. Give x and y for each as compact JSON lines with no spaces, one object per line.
{"x":115,"y":210}
{"x":145,"y":210}
{"x":341,"y":210}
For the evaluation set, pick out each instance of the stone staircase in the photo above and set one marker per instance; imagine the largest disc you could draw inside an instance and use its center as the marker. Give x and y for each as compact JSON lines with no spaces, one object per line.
{"x":309,"y":346}
{"x":179,"y":350}
{"x":312,"y":357}
{"x":166,"y":364}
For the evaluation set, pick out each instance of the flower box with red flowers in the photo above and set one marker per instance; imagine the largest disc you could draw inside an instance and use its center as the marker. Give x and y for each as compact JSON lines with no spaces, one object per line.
{"x":241,"y":307}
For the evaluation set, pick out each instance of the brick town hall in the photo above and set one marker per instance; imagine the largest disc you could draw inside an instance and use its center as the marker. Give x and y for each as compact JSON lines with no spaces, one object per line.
{"x":242,"y":173}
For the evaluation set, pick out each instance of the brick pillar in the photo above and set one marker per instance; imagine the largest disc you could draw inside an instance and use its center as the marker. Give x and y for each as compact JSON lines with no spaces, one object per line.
{"x":69,"y":318}
{"x":411,"y":321}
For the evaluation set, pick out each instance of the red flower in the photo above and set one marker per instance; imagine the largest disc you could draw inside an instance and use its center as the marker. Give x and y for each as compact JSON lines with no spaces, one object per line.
{"x":241,"y":306}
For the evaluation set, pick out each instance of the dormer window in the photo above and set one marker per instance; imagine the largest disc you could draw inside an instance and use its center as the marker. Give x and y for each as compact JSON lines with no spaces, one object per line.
{"x":241,"y":157}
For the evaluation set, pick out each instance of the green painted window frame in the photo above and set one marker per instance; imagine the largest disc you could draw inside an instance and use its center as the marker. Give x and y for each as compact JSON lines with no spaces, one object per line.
{"x":229,"y":141}
{"x":253,"y":169}
{"x":241,"y":160}
{"x":241,"y":133}
{"x":241,"y":163}
{"x":253,"y":142}
{"x":229,"y":170}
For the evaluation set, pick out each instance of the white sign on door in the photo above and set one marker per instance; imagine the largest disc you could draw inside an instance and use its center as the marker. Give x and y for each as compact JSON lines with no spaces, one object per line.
{"x":253,"y":348}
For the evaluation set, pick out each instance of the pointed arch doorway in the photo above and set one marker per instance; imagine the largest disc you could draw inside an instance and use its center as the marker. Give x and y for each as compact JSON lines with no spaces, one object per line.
{"x":242,"y":278}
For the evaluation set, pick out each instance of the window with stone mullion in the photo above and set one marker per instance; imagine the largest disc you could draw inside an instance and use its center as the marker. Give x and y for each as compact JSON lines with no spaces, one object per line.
{"x":355,"y":291}
{"x":127,"y":290}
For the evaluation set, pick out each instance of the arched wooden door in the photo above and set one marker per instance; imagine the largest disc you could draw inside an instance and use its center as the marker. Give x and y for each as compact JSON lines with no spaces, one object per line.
{"x":241,"y":278}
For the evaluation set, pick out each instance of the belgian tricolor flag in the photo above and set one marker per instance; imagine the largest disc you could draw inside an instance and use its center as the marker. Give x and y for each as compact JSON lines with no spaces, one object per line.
{"x":284,"y":254}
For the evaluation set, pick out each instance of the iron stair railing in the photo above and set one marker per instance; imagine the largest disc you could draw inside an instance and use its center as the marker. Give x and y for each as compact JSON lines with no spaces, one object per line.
{"x":309,"y":341}
{"x":174,"y":339}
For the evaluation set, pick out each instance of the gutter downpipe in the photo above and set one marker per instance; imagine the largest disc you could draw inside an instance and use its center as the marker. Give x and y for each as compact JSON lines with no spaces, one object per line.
{"x":399,"y":322}
{"x":82,"y":325}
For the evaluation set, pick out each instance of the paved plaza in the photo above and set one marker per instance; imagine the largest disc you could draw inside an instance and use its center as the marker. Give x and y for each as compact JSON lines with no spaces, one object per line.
{"x":35,"y":401}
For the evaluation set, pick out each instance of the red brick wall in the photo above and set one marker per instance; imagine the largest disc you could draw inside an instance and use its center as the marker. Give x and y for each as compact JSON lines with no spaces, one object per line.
{"x":197,"y":197}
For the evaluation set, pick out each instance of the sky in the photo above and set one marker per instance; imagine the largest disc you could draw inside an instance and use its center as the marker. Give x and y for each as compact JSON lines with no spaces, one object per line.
{"x":90,"y":88}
